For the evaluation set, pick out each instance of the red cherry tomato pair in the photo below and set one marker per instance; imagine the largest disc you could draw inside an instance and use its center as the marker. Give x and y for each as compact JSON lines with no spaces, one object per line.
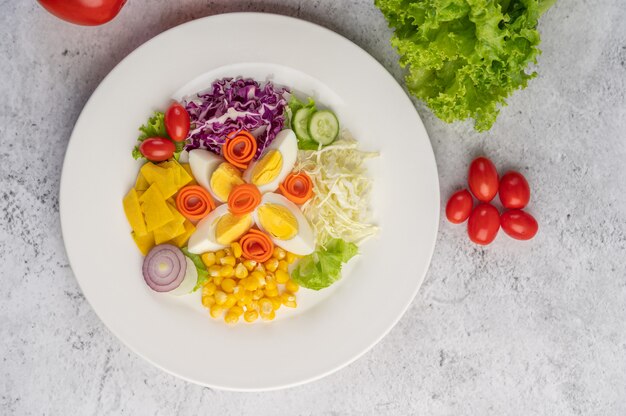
{"x":158,"y":149}
{"x":485,"y":220}
{"x":84,"y":12}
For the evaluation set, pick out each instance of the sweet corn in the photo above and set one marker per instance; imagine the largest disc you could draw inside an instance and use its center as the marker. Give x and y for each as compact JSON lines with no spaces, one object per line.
{"x":270,"y":293}
{"x":269,"y":317}
{"x":218,"y":280}
{"x":227,"y":252}
{"x":291,"y":257}
{"x":214,"y":270}
{"x":247,"y":299}
{"x":258,"y":294}
{"x":282,"y":276}
{"x":228,"y":285}
{"x":270,"y":284}
{"x":230,"y":260}
{"x":218,"y":255}
{"x":288,"y":300}
{"x":276,"y":302}
{"x":279,"y":253}
{"x":220,"y":297}
{"x":236,"y":249}
{"x":251,"y":283}
{"x":249,"y":264}
{"x":227,"y":271}
{"x":240,"y":303}
{"x":208,"y":259}
{"x":260,"y":268}
{"x":208,"y":289}
{"x":266,"y":306}
{"x":253,"y":306}
{"x":231,"y":301}
{"x":271,"y":265}
{"x":237,"y":310}
{"x":208,"y":301}
{"x":216,"y":311}
{"x":292,"y":286}
{"x":283,"y":265}
{"x":239,"y":291}
{"x":231,"y":318}
{"x":251,"y":316}
{"x":241,"y":271}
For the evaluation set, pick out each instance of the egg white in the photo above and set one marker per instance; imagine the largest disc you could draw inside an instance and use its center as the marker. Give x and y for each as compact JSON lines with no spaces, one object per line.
{"x":287,"y":144}
{"x":203,"y":163}
{"x":203,"y":239}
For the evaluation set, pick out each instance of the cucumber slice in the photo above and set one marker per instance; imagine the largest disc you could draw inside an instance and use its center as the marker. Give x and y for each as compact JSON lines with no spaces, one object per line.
{"x":323,"y":127}
{"x":300,"y":122}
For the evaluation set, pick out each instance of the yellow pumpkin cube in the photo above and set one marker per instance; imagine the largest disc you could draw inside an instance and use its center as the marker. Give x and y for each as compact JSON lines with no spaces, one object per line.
{"x":144,"y":242}
{"x":133,"y":212}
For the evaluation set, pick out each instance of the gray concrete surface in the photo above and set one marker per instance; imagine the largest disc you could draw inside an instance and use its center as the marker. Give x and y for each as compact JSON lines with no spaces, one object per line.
{"x":536,"y":328}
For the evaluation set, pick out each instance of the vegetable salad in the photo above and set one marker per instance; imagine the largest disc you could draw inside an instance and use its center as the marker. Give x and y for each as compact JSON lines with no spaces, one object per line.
{"x":274,"y":197}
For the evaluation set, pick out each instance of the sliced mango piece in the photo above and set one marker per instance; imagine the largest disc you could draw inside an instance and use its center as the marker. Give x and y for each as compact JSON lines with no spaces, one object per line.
{"x":141,"y":184}
{"x":169,"y":231}
{"x":182,"y":239}
{"x":178,"y":217}
{"x":187,"y":168}
{"x":144,"y":242}
{"x":156,"y":211}
{"x":165,"y":179}
{"x":133,"y":212}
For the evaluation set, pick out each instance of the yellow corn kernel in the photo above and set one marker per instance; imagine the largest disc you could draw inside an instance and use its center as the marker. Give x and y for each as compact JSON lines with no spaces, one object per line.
{"x":292,"y":286}
{"x":258,"y":294}
{"x":216,"y":311}
{"x":231,"y":301}
{"x":251,"y":283}
{"x":271,"y":265}
{"x":208,"y":301}
{"x":220,"y":297}
{"x":260,"y":268}
{"x":208,"y":259}
{"x":282,"y":276}
{"x":237,"y":310}
{"x":247,"y":299}
{"x":271,"y":284}
{"x":214,"y":270}
{"x":288,"y":299}
{"x":239,"y":291}
{"x":270,"y":293}
{"x":269,"y":317}
{"x":218,"y":255}
{"x":218,"y":280}
{"x":265,"y":306}
{"x":251,"y":316}
{"x":276,"y":302}
{"x":236,"y":249}
{"x":227,"y":252}
{"x":227,"y":271}
{"x":291,"y":257}
{"x":249,"y":264}
{"x":241,"y":271}
{"x":253,"y":306}
{"x":231,"y":318}
{"x":279,"y":253}
{"x":228,"y":285}
{"x":230,"y":260}
{"x":240,"y":303}
{"x":283,"y":265}
{"x":208,"y":289}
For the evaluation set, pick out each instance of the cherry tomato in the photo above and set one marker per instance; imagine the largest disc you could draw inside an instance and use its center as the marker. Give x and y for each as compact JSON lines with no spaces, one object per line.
{"x":514,"y":190}
{"x":84,"y":12}
{"x":459,"y":207}
{"x":483,"y":224}
{"x":519,"y":224}
{"x":157,"y":149}
{"x":177,"y":122}
{"x":483,"y":179}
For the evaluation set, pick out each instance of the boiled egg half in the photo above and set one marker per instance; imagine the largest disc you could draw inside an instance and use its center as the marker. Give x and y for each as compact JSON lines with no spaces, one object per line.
{"x":214,"y":174}
{"x":275,"y":163}
{"x":218,"y":229}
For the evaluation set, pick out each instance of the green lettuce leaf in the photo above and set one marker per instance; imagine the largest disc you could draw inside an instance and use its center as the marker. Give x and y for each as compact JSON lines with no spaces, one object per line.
{"x":323,"y":267}
{"x":465,"y":57}
{"x":155,"y":127}
{"x":203,"y":273}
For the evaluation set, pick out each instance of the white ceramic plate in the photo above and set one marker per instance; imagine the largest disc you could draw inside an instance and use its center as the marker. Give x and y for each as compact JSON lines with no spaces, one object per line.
{"x":330,"y":328}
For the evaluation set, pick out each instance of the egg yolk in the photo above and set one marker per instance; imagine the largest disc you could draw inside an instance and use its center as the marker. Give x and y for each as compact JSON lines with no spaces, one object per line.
{"x":230,"y":227}
{"x":278,"y":221}
{"x":267,"y":168}
{"x":225,"y":177}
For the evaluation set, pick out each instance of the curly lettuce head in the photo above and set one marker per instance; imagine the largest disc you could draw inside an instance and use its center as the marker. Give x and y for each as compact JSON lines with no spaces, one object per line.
{"x":465,"y":57}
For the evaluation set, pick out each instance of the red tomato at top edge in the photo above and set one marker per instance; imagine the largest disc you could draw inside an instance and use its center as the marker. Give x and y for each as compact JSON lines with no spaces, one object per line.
{"x":483,"y":224}
{"x":519,"y":224}
{"x":483,"y":179}
{"x":177,"y":122}
{"x":459,"y":206}
{"x":157,"y":149}
{"x":84,"y":12}
{"x":514,"y":190}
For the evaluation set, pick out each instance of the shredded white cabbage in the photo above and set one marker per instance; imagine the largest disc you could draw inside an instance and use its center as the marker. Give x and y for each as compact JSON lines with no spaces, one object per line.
{"x":340,"y":205}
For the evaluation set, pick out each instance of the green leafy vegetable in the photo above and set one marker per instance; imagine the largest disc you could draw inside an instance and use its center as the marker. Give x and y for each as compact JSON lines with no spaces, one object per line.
{"x":465,"y":57}
{"x":294,"y":105}
{"x":323,"y":268}
{"x":155,"y":127}
{"x":203,"y":273}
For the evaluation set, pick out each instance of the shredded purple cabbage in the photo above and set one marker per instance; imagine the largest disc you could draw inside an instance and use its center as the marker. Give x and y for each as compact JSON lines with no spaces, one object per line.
{"x":232,"y":105}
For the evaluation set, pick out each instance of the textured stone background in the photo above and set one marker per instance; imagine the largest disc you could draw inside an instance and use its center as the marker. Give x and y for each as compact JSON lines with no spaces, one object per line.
{"x":535,"y":328}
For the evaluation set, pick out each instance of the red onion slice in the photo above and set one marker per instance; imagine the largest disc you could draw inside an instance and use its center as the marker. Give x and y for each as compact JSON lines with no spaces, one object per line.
{"x":164,"y":268}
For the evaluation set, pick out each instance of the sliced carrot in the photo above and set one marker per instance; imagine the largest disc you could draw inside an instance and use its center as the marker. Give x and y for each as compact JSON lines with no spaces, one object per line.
{"x":297,"y":187}
{"x":243,"y":199}
{"x":194,"y":202}
{"x":256,"y":245}
{"x":239,"y":148}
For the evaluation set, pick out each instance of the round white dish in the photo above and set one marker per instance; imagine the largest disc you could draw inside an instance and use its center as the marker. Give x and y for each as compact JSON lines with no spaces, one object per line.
{"x":330,"y":328}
